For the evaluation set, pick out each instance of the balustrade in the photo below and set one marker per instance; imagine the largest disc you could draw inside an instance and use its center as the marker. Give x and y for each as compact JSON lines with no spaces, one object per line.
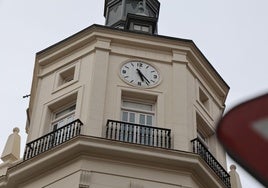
{"x":138,"y":134}
{"x":201,"y":150}
{"x":52,"y":139}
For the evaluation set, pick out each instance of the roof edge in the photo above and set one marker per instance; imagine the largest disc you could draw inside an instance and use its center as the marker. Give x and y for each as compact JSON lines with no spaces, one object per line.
{"x":97,"y":26}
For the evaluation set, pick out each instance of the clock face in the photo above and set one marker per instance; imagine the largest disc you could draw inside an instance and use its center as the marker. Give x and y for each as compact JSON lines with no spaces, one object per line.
{"x":140,"y":74}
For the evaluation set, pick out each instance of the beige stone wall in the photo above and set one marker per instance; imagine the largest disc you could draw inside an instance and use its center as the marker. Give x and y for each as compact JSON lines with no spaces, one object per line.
{"x":97,"y":87}
{"x":100,"y":163}
{"x":84,"y":70}
{"x":96,"y":173}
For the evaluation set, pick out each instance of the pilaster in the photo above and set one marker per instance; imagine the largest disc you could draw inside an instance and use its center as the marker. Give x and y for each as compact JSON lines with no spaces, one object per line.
{"x":98,"y":88}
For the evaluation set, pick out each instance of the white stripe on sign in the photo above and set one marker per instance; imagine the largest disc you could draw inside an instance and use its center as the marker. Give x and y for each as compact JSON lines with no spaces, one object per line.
{"x":261,"y":127}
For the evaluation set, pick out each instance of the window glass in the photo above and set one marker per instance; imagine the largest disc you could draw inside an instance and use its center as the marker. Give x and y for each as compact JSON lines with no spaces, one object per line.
{"x":149,"y":120}
{"x":137,"y":112}
{"x":65,"y":111}
{"x":204,"y":131}
{"x":125,"y":116}
{"x":139,"y":106}
{"x":141,"y":28}
{"x":145,"y":28}
{"x":132,"y":117}
{"x":202,"y":138}
{"x":137,"y":27}
{"x":63,"y":117}
{"x":142,"y":119}
{"x":69,"y":118}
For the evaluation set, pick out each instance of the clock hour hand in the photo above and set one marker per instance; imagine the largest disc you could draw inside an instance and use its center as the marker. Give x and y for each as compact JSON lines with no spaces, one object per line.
{"x":140,"y":74}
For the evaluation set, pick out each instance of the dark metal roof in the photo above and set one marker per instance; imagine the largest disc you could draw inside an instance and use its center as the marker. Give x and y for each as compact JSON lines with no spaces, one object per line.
{"x":154,"y":3}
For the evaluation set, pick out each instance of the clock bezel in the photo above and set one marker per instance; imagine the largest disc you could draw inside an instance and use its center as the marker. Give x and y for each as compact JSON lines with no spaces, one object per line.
{"x":134,"y":84}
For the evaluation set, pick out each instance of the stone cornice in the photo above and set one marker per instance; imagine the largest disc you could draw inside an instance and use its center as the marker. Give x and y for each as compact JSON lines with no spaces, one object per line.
{"x":164,"y":44}
{"x":111,"y":150}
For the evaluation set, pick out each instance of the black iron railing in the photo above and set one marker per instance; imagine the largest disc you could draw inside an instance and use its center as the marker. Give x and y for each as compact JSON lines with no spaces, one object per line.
{"x":138,"y":134}
{"x":201,"y":150}
{"x":52,"y":139}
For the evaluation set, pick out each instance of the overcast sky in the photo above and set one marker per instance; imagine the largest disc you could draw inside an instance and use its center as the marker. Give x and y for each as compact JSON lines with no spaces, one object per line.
{"x":232,"y":34}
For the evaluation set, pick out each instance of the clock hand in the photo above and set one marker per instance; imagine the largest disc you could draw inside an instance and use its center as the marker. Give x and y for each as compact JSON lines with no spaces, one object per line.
{"x":147,"y":81}
{"x":140,"y":74}
{"x":143,"y":77}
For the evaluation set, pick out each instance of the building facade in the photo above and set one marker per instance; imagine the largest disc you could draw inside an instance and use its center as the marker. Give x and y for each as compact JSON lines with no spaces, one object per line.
{"x":121,"y":106}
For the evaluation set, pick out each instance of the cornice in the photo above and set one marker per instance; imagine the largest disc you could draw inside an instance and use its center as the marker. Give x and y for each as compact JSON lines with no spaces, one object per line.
{"x":159,"y":42}
{"x":111,"y":150}
{"x":97,"y":37}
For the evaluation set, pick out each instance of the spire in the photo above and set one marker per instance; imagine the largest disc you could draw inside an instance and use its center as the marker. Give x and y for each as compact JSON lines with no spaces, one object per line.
{"x":138,"y":15}
{"x":234,"y":176}
{"x":11,"y":151}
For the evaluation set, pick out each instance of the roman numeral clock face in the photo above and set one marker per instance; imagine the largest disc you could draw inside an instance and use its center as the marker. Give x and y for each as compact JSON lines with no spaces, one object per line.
{"x":138,"y":73}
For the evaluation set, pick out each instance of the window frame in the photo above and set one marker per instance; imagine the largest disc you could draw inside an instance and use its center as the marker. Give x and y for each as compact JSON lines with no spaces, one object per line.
{"x":138,"y":111}
{"x":204,"y":99}
{"x":66,"y":76}
{"x":204,"y":131}
{"x":55,"y":120}
{"x":142,"y":26}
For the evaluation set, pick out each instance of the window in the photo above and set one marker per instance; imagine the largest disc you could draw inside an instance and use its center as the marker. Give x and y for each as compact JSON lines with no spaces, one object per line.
{"x":143,"y":28}
{"x":202,"y":137}
{"x":203,"y":98}
{"x":138,"y":113}
{"x":204,"y":131}
{"x":119,"y":27}
{"x":63,"y":117}
{"x":66,"y":76}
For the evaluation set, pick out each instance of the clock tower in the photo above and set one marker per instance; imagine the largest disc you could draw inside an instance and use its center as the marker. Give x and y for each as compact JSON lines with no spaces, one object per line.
{"x":121,"y":106}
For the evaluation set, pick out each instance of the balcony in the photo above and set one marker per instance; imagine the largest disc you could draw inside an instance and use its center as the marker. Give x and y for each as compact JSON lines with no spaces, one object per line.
{"x":52,"y":139}
{"x":201,"y":150}
{"x":124,"y":132}
{"x":138,"y":134}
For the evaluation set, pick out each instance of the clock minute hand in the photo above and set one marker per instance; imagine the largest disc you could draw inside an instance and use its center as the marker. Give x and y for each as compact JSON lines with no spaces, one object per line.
{"x":143,"y":77}
{"x":147,"y":81}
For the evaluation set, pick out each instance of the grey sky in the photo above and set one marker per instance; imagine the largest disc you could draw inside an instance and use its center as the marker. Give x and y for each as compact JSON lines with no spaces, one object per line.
{"x":233,"y":35}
